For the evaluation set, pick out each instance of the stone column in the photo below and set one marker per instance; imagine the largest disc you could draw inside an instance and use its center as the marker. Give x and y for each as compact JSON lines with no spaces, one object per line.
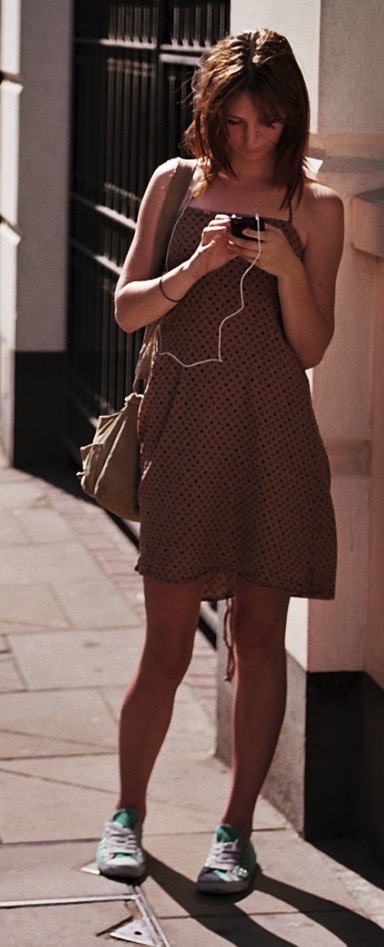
{"x":35,"y":139}
{"x":329,"y":767}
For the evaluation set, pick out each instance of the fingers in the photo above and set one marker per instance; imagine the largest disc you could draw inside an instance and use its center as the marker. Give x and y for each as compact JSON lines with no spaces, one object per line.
{"x":270,"y":249}
{"x":248,"y":247}
{"x":215,"y":230}
{"x":218,"y":224}
{"x":253,"y":247}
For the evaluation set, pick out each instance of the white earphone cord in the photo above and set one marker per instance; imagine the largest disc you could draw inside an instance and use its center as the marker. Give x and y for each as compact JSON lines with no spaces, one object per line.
{"x":217,"y":358}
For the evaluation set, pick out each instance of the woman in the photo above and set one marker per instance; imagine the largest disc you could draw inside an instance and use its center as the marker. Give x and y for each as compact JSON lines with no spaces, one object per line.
{"x":234,"y":492}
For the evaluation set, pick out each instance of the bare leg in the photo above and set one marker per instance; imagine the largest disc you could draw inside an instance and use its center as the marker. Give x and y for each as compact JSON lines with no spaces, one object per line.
{"x":172,"y":617}
{"x":260,"y":695}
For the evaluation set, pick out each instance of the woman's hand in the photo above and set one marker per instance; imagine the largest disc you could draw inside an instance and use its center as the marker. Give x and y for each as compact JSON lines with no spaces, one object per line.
{"x":214,"y":249}
{"x":306,"y":285}
{"x":270,"y":250}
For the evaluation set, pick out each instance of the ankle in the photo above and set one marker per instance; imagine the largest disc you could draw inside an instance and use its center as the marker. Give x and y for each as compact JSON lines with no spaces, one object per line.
{"x":124,"y":803}
{"x":241,"y":826}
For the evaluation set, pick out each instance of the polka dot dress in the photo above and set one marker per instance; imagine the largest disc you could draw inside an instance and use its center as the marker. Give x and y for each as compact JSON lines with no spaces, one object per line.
{"x":235,"y":479}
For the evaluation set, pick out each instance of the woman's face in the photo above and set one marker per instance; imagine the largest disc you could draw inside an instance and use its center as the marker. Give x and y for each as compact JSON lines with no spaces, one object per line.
{"x":249,"y":133}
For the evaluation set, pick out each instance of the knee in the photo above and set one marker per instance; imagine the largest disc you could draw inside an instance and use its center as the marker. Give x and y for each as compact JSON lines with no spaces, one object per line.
{"x":166,"y":664}
{"x":258,"y":641}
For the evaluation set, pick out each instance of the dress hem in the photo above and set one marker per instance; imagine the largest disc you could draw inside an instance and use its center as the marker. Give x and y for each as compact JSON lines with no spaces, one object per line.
{"x":293,"y":592}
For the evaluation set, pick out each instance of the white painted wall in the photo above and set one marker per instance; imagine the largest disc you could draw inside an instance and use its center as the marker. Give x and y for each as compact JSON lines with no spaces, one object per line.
{"x":351,"y":66}
{"x":10,"y":36}
{"x":299,"y":21}
{"x":9,"y":171}
{"x":35,"y":107}
{"x":10,"y":94}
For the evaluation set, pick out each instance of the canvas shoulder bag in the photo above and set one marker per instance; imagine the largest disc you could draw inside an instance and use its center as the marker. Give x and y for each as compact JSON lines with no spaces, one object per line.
{"x":111,"y":462}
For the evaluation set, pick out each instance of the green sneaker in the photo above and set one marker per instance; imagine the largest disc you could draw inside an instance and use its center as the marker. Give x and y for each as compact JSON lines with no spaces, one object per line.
{"x":120,"y":854}
{"x":230,"y":865}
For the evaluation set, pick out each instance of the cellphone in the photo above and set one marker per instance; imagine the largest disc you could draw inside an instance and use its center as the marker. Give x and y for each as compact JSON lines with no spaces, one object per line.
{"x":240,"y":222}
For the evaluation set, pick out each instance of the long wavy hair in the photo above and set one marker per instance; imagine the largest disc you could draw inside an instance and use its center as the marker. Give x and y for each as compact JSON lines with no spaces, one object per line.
{"x":262,"y":64}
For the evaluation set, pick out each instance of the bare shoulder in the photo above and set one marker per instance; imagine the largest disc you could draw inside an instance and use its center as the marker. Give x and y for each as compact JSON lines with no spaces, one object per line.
{"x":138,"y":263}
{"x":319,"y":214}
{"x":159,"y":181}
{"x":321,"y":204}
{"x":152,"y":203}
{"x":164,"y":171}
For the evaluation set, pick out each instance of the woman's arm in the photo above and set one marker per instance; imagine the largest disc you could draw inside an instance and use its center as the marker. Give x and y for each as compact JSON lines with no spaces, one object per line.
{"x":138,"y":296}
{"x":307,"y":288}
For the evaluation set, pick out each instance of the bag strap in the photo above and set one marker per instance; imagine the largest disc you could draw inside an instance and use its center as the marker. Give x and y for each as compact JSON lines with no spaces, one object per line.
{"x":176,"y":190}
{"x":177,"y":187}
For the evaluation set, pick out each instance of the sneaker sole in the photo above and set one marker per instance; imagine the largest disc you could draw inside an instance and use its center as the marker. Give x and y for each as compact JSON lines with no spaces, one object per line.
{"x":223,"y":887}
{"x":120,"y":872}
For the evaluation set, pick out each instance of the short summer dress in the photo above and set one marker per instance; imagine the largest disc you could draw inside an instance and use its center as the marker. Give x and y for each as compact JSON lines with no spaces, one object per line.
{"x":234,"y":476}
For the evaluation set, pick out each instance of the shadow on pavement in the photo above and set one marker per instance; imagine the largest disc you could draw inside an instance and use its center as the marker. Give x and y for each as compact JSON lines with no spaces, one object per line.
{"x":63,"y":476}
{"x":356,"y":856}
{"x":225,"y":917}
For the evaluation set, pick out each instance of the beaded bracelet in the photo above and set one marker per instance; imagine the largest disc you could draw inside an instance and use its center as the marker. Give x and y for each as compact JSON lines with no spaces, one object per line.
{"x":169,"y":298}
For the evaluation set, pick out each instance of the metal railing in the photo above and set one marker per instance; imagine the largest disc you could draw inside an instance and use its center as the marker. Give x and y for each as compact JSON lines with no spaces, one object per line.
{"x":132,"y":68}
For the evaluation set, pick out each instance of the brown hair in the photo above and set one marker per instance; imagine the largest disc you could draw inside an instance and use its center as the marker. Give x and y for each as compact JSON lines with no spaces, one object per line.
{"x":261,"y":64}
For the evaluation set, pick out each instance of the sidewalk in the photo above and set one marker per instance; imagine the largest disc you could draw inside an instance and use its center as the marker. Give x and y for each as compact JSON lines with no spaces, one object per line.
{"x":71,"y":628}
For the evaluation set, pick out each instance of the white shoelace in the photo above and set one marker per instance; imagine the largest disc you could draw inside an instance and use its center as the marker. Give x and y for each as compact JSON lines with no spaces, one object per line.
{"x":122,"y":841}
{"x":224,"y":855}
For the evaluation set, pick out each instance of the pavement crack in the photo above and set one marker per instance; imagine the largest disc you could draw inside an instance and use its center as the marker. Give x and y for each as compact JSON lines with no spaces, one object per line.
{"x":51,"y":779}
{"x":56,"y":739}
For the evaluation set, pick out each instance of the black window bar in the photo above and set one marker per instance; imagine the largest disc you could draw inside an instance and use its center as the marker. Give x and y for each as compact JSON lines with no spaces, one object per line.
{"x":132,"y":68}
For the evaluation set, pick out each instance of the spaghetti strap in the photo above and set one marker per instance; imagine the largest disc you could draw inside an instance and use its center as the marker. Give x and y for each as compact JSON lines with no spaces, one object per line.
{"x":290,"y":218}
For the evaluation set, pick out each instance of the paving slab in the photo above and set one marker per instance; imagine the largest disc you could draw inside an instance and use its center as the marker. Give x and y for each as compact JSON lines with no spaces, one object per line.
{"x":183,"y":799}
{"x":99,"y":771}
{"x":325,"y":929}
{"x":283,"y":930}
{"x":40,"y":871}
{"x":78,"y":717}
{"x":44,"y":525}
{"x":36,"y":810}
{"x":174,"y":864}
{"x":91,"y":602}
{"x":84,"y":658}
{"x":297,"y":873}
{"x":113,"y":697}
{"x":46,"y":562}
{"x":30,"y":607}
{"x":11,"y":474}
{"x":83,"y":925}
{"x":18,"y":492}
{"x":173,"y":871}
{"x":10,"y":677}
{"x":368,"y":891}
{"x":11,"y":530}
{"x":266,"y":817}
{"x":16,"y":746}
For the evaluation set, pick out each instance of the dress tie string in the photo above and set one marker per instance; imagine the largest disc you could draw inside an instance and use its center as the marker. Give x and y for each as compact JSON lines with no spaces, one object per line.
{"x":229,"y":637}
